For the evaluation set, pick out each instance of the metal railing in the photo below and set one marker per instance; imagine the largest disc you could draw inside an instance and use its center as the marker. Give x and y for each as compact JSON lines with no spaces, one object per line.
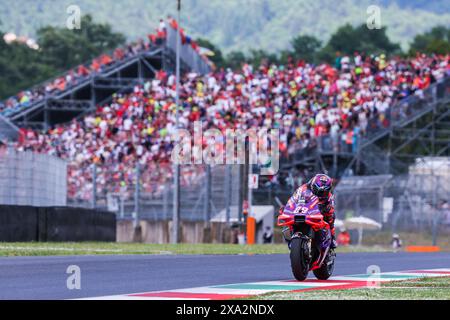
{"x":414,"y":202}
{"x":8,"y":130}
{"x":146,"y":191}
{"x":408,"y":109}
{"x":188,"y":55}
{"x":398,"y":115}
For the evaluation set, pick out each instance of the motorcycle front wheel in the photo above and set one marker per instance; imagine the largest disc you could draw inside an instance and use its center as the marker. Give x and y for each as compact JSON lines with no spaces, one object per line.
{"x":300,"y":257}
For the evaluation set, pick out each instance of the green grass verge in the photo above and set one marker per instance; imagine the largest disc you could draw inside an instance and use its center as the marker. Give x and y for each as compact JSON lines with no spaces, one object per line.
{"x":96,"y":248}
{"x":424,"y":238}
{"x":418,"y":289}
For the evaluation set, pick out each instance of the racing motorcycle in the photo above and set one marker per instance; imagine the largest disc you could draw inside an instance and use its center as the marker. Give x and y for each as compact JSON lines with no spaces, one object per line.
{"x":309,"y":238}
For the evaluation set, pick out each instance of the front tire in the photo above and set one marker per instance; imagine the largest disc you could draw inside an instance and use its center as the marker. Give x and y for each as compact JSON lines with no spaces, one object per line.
{"x":326,"y":270}
{"x":300,"y":257}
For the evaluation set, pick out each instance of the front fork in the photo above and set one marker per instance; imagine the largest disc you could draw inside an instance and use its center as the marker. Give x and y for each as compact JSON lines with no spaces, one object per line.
{"x":319,"y":262}
{"x":323,"y":251}
{"x":287,"y":234}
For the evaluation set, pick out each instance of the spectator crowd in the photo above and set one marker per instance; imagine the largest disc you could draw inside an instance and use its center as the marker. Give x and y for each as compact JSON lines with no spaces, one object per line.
{"x":304,"y":101}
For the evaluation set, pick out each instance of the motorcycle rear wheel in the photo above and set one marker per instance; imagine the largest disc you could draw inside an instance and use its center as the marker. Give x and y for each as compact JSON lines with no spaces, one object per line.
{"x":300,"y":257}
{"x":326,"y":270}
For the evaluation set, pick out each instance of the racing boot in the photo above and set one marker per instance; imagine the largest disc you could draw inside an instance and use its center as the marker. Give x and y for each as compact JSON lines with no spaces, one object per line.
{"x":333,"y":243}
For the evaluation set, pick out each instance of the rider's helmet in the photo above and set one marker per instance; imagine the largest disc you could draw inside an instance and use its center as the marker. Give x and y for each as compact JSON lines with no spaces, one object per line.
{"x":320,"y":185}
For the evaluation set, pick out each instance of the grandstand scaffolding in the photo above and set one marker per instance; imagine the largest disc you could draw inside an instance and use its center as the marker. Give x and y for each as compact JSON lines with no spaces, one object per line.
{"x":418,"y":126}
{"x":85,"y":94}
{"x":8,"y":131}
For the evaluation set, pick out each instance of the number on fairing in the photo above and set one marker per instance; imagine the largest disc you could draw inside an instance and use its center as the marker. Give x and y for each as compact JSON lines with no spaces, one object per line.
{"x":302,"y":210}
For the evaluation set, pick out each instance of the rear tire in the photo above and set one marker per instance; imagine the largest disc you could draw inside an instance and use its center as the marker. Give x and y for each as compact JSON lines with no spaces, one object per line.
{"x":300,"y":257}
{"x":324,"y":272}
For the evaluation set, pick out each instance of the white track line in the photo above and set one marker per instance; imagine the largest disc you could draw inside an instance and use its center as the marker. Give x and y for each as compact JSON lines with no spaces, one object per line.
{"x":81,"y":250}
{"x":222,"y":289}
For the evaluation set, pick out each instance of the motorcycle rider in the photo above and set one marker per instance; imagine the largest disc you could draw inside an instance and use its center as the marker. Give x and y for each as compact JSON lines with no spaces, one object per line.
{"x":320,"y":186}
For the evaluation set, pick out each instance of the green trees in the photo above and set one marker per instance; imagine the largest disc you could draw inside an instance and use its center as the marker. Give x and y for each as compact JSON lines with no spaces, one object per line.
{"x":305,"y":47}
{"x":348,"y":39}
{"x":20,"y":68}
{"x":261,"y":56}
{"x":437,"y":40}
{"x":235,"y":59}
{"x":63,"y":48}
{"x":59,"y":50}
{"x":218,"y":58}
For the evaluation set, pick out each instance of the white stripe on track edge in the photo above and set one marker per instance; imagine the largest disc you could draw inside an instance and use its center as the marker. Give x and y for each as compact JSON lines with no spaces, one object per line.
{"x":221,"y":289}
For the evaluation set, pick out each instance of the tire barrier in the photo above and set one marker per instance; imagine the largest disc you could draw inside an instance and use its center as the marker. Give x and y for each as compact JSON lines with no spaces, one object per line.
{"x":55,"y":224}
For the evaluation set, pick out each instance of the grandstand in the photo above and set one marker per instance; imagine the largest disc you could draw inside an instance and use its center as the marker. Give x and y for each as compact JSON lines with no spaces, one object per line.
{"x":113,"y":125}
{"x":416,"y":126}
{"x":78,"y":91}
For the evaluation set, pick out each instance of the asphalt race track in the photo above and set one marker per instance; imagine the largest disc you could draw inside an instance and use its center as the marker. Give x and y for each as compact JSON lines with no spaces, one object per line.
{"x":45,"y":277}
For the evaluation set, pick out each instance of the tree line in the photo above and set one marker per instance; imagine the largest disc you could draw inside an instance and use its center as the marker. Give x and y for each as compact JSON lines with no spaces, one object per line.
{"x":61,"y":49}
{"x":345,"y":41}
